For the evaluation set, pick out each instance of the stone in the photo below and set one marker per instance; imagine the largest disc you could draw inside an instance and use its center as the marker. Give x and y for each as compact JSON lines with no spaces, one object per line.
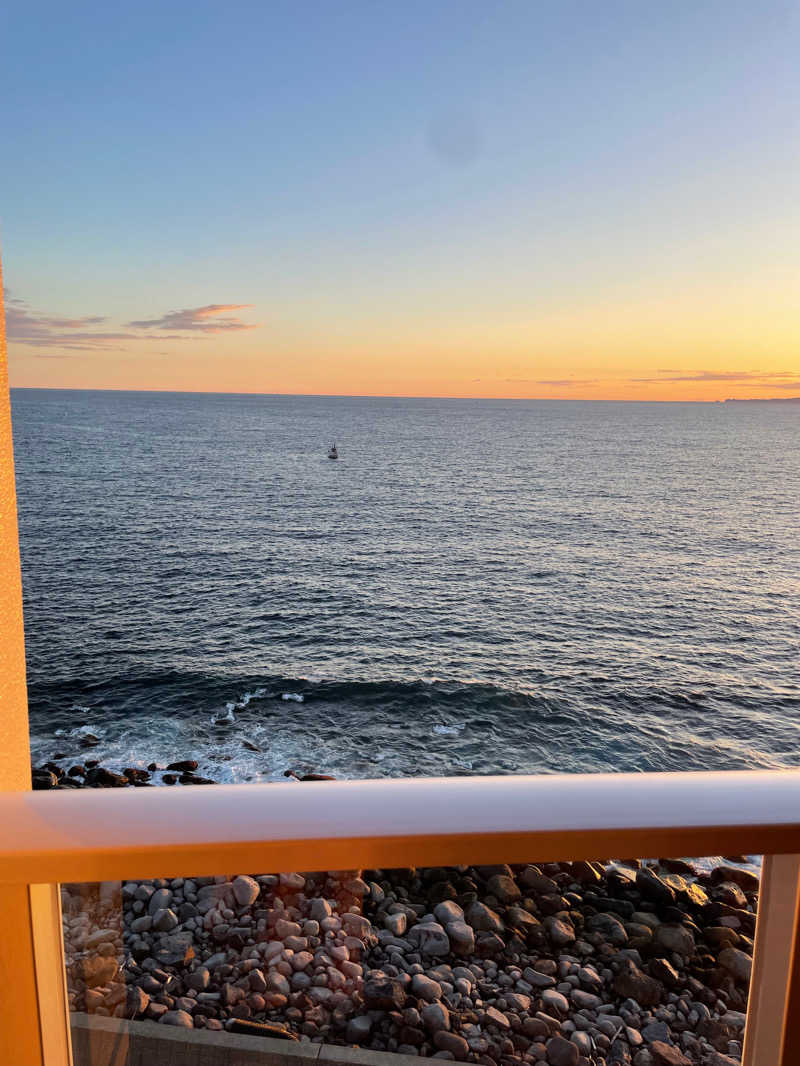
{"x":560,"y":931}
{"x":483,"y":918}
{"x":359,"y":1029}
{"x":96,"y":970}
{"x":461,"y":937}
{"x":179,"y":1018}
{"x":183,"y":766}
{"x":435,"y":1017}
{"x":447,"y":911}
{"x":452,"y":1042}
{"x":610,"y":928}
{"x":666,"y":1055}
{"x":319,"y":910}
{"x":503,"y":888}
{"x":383,"y":993}
{"x":662,"y":970}
{"x":737,"y":963}
{"x":653,"y":887}
{"x":429,"y":939}
{"x":424,"y":988}
{"x":357,"y":925}
{"x":553,"y":1000}
{"x":165,"y":920}
{"x":245,"y":890}
{"x":161,"y":899}
{"x":673,"y":937}
{"x":631,"y":983}
{"x":656,"y":1031}
{"x":492,"y":1016}
{"x":561,"y":1052}
{"x":396,"y":923}
{"x":538,"y":980}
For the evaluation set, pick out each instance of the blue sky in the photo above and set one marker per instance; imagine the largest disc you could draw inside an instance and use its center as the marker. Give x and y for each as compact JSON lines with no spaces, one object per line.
{"x":367,"y":173}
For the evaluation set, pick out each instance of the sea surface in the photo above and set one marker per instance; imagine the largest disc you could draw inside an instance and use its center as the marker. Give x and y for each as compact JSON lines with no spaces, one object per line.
{"x":473,"y":587}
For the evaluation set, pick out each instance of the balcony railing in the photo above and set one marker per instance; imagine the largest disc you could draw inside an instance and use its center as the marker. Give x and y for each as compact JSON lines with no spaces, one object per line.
{"x":51,"y":837}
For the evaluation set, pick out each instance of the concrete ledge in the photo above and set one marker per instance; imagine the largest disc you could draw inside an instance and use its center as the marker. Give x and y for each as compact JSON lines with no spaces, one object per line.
{"x":99,"y":1041}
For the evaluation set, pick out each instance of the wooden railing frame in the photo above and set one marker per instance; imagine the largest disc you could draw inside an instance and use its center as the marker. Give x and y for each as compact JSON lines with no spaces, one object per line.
{"x":91,"y":835}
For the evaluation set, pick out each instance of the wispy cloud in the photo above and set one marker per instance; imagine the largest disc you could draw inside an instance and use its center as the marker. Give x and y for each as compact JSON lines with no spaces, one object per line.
{"x":748,"y":376}
{"x":38,"y":329}
{"x":213,"y":318}
{"x":566,"y":382}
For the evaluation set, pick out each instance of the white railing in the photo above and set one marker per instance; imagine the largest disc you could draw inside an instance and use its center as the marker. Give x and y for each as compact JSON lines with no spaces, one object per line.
{"x":93,"y":835}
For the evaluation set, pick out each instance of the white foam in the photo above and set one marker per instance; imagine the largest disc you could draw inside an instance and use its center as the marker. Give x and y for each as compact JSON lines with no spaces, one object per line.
{"x":296,"y":697}
{"x":448,"y":730}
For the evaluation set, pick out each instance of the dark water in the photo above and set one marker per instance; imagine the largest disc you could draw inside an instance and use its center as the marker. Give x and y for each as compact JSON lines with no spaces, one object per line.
{"x":475,"y":586}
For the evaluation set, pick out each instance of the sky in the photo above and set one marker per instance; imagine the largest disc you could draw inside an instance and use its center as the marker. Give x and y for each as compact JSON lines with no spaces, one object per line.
{"x":453,"y":198}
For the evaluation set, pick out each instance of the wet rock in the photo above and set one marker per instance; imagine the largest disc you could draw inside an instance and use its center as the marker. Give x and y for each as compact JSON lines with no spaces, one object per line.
{"x":183,"y":766}
{"x":503,"y":888}
{"x":653,"y":887}
{"x":560,"y":931}
{"x":429,"y":939}
{"x":452,"y":1042}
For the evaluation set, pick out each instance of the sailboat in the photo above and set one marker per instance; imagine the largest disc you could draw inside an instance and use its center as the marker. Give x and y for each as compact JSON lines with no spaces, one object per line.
{"x":332,"y":452}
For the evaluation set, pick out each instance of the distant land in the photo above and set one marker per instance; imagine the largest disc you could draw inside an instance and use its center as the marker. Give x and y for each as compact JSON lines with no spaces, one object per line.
{"x":771,"y":399}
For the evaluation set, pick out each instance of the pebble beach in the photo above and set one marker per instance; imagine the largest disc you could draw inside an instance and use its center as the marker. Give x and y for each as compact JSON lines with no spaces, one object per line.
{"x":567,"y":964}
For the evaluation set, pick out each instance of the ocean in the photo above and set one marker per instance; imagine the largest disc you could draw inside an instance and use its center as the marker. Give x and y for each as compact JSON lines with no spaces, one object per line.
{"x":475,"y":586}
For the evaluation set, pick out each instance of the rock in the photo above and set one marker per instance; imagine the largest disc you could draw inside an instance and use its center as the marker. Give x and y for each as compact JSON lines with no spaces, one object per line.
{"x":245,"y":890}
{"x":560,"y":931}
{"x":503,"y":888}
{"x":165,"y":920}
{"x":383,"y":993}
{"x":461,"y":937}
{"x":736,"y":962}
{"x":96,"y":970}
{"x":320,"y":909}
{"x":483,"y":919}
{"x":429,"y":938}
{"x":359,"y":1029}
{"x":610,"y":928}
{"x":561,"y":1052}
{"x":435,"y":1017}
{"x":677,"y":938}
{"x":161,"y":899}
{"x":179,"y":1018}
{"x":44,"y":779}
{"x":424,"y":988}
{"x":492,"y":1016}
{"x":664,"y":971}
{"x":292,"y":882}
{"x":99,"y":777}
{"x":183,"y":766}
{"x":136,"y":1001}
{"x":447,"y":911}
{"x":538,"y":980}
{"x":554,"y":1001}
{"x":743,"y":878}
{"x":656,"y":1031}
{"x":653,"y":887}
{"x":666,"y":1055}
{"x":199,"y":980}
{"x":396,"y":923}
{"x":631,"y":983}
{"x":452,"y":1042}
{"x":357,"y":925}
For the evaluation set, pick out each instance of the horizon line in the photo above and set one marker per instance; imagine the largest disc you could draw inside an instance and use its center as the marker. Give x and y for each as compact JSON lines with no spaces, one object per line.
{"x":380,"y":395}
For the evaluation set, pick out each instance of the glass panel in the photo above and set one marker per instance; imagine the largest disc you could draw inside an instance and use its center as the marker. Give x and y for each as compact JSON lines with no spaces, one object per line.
{"x":566,"y":964}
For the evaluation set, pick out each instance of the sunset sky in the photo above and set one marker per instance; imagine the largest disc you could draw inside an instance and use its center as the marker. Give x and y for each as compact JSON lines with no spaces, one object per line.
{"x":457,"y":198}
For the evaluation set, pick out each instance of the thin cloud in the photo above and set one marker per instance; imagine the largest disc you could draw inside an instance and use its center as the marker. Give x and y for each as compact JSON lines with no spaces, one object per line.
{"x":768,"y":377}
{"x":566,"y":382}
{"x":37,"y":329}
{"x":213,"y":318}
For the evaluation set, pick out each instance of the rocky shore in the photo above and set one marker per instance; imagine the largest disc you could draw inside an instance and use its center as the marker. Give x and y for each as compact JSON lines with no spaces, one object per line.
{"x":568,"y":964}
